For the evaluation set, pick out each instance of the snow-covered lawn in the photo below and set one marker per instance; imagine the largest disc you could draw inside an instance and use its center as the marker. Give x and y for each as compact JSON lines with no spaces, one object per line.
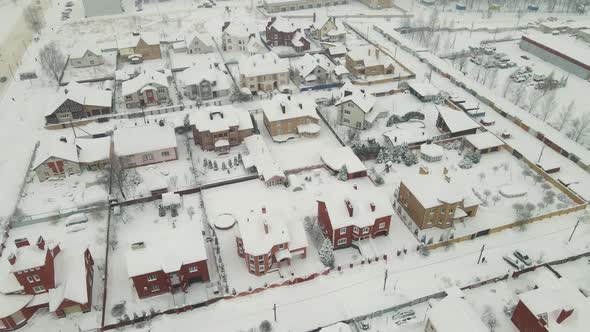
{"x":226,"y":163}
{"x":120,"y":286}
{"x":106,"y":70}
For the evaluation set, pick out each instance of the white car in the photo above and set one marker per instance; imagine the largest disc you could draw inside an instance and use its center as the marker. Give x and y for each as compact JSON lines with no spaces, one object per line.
{"x":523,"y":257}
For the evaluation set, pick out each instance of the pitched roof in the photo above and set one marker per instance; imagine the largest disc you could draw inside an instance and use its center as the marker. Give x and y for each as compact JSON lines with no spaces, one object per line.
{"x":456,"y":121}
{"x":424,"y":89}
{"x":80,"y":94}
{"x":241,"y":29}
{"x":283,"y":107}
{"x":282,"y":24}
{"x":205,"y":38}
{"x":262,"y":64}
{"x":81,"y":50}
{"x":484,"y":140}
{"x":349,"y":92}
{"x":343,"y":156}
{"x":431,"y":190}
{"x":70,"y":279}
{"x":54,"y":147}
{"x":144,"y":138}
{"x":93,"y":149}
{"x":220,"y":118}
{"x":147,"y":77}
{"x":260,"y":157}
{"x":306,"y":64}
{"x":199,"y":72}
{"x":453,"y":314}
{"x":150,"y":38}
{"x":370,"y":56}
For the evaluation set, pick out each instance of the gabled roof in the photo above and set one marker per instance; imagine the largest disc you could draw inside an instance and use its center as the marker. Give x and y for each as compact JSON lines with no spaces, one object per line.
{"x":484,"y":140}
{"x":424,"y":89}
{"x":343,"y":156}
{"x":57,"y":148}
{"x":144,"y":138}
{"x":308,"y":63}
{"x":349,"y":92}
{"x":282,"y":24}
{"x":93,"y":149}
{"x":298,"y":39}
{"x":81,"y":50}
{"x":283,"y":107}
{"x":241,"y":29}
{"x":220,"y":118}
{"x":80,"y":94}
{"x":262,"y":64}
{"x":260,"y":157}
{"x":431,"y":190}
{"x":147,"y":77}
{"x":150,"y":38}
{"x":199,"y":72}
{"x":371,"y":56}
{"x":70,"y":279}
{"x":456,"y":121}
{"x":205,"y":38}
{"x":453,"y":314}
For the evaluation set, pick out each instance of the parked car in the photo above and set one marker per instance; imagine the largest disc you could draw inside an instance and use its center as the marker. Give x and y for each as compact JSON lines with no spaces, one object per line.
{"x":523,"y":257}
{"x":525,"y":57}
{"x":3,"y":79}
{"x":538,"y":77}
{"x":69,"y":4}
{"x":518,"y":79}
{"x":512,"y":262}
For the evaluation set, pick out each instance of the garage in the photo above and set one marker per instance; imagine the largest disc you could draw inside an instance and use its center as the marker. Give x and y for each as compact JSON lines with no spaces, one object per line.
{"x":72,"y":309}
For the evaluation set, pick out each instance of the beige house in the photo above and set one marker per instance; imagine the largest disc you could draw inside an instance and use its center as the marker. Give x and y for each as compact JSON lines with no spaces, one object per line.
{"x":149,"y":88}
{"x":378,"y":4}
{"x":431,"y":201}
{"x":263,"y":72}
{"x":146,"y":45}
{"x":241,"y":37}
{"x":199,"y":43}
{"x":86,"y":56}
{"x":328,"y":29}
{"x":355,"y":107}
{"x":368,"y":61}
{"x":284,"y":115}
{"x":145,"y":144}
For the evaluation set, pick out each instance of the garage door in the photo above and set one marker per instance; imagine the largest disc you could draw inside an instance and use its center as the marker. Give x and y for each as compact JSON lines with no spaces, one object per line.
{"x":72,"y":309}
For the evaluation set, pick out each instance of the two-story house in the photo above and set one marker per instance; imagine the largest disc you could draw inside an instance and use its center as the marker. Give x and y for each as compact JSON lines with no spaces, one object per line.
{"x":328,"y":29}
{"x":145,"y":45}
{"x":263,"y":72}
{"x":150,"y":88}
{"x":354,"y":215}
{"x":220,"y":127}
{"x":199,"y":43}
{"x":282,"y":32}
{"x":266,"y":240}
{"x":313,"y":69}
{"x":355,"y":107}
{"x":205,"y":82}
{"x":145,"y":144}
{"x":368,"y":61}
{"x":75,"y":102}
{"x":160,"y":262}
{"x":241,"y":37}
{"x":86,"y":56}
{"x":431,"y":201}
{"x":285,"y":115}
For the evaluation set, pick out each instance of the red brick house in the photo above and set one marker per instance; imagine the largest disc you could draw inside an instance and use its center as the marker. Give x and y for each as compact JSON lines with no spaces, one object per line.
{"x":554,"y":306}
{"x":220,"y":127}
{"x":266,"y":241}
{"x":161,"y":262}
{"x":282,"y":32}
{"x":353,"y":216}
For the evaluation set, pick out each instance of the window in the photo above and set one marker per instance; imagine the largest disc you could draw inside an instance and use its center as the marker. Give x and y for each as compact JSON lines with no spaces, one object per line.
{"x":165,"y":153}
{"x":346,"y":120}
{"x":282,"y":246}
{"x":148,"y":157}
{"x":382,"y":225}
{"x":252,"y":268}
{"x":342,"y":231}
{"x":36,"y":277}
{"x":346,"y":112}
{"x":192,"y":269}
{"x":261,"y":268}
{"x":152,"y":277}
{"x":355,"y":230}
{"x":30,"y":279}
{"x":365,"y":230}
{"x":38,"y":289}
{"x":154,"y":288}
{"x":341,"y":241}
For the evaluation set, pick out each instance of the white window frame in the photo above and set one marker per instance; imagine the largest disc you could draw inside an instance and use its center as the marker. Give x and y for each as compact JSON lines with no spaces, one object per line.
{"x":192,"y":269}
{"x":36,"y":277}
{"x":155,"y":288}
{"x":382,"y":225}
{"x":355,"y":230}
{"x":342,"y":230}
{"x":365,"y":230}
{"x":30,"y":279}
{"x":342,"y":241}
{"x":152,"y":277}
{"x":38,"y":289}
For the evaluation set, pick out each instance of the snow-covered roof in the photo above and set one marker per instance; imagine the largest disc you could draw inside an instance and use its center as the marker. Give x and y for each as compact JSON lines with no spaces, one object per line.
{"x":205,"y":38}
{"x":571,"y":47}
{"x":57,"y":148}
{"x":70,"y":279}
{"x":93,"y":149}
{"x":340,"y":70}
{"x":259,"y":239}
{"x":431,"y":150}
{"x":370,"y":56}
{"x":150,"y":38}
{"x":261,"y":157}
{"x":241,"y":29}
{"x":262,"y":64}
{"x":336,"y":50}
{"x":456,"y":121}
{"x":349,"y":92}
{"x":146,"y":78}
{"x":282,"y":24}
{"x":170,"y":198}
{"x":338,"y":327}
{"x":484,"y":140}
{"x":553,"y":296}
{"x":166,"y":250}
{"x":453,"y":314}
{"x":196,"y":74}
{"x":220,"y":118}
{"x":308,"y":63}
{"x":431,"y":190}
{"x":424,"y":89}
{"x":401,"y":136}
{"x":13,"y":303}
{"x":283,"y":107}
{"x":322,"y":20}
{"x":28,"y":257}
{"x":342,"y":156}
{"x":80,"y":50}
{"x":362,"y":200}
{"x":254,"y":45}
{"x":80,"y":94}
{"x":144,"y":138}
{"x":296,"y":40}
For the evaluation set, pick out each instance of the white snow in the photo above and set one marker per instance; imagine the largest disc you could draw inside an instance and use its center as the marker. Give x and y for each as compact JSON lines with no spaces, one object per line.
{"x":453,"y":314}
{"x":144,"y":80}
{"x":262,"y":64}
{"x":283,"y":107}
{"x":351,"y":93}
{"x":432,"y":190}
{"x":129,"y":141}
{"x":457,"y":121}
{"x":424,"y":89}
{"x":220,"y":118}
{"x":484,"y":140}
{"x":93,"y":149}
{"x":80,"y":94}
{"x":343,"y":156}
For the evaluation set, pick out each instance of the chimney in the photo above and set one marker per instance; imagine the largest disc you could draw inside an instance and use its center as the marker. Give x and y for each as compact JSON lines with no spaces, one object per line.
{"x":12,"y":259}
{"x":347,"y":93}
{"x":289,"y":97}
{"x":41,"y":243}
{"x":355,"y":187}
{"x":22,"y":242}
{"x":225,"y":25}
{"x":377,"y":51}
{"x":283,"y":108}
{"x":66,"y":91}
{"x":369,"y":51}
{"x":563,"y":315}
{"x":210,"y":116}
{"x":264,"y":210}
{"x":349,"y":207}
{"x":300,"y":106}
{"x":372,"y":205}
{"x":265,"y":227}
{"x":63,"y":139}
{"x":56,"y":250}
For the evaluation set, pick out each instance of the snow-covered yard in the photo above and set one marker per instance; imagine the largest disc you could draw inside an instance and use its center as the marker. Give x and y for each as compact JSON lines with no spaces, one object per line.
{"x":104,"y":71}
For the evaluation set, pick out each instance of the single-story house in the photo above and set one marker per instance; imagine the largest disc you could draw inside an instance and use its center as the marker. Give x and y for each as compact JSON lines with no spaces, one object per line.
{"x":483,"y":142}
{"x":455,"y":122}
{"x":145,"y":144}
{"x":336,"y":159}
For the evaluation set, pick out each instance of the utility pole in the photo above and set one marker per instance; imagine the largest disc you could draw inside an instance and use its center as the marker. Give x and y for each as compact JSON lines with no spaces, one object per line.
{"x":481,"y":253}
{"x":385,"y":281}
{"x":541,"y":154}
{"x":574,"y":230}
{"x":275,"y":311}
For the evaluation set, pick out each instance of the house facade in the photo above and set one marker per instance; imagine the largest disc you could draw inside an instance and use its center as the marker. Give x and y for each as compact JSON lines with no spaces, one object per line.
{"x":265,"y":241}
{"x":354,"y":216}
{"x":76,"y":102}
{"x":150,"y":88}
{"x":263,"y":72}
{"x":313,"y":69}
{"x":368,"y":61}
{"x":56,"y":158}
{"x":86,"y":57}
{"x":241,"y":37}
{"x":327,"y":29}
{"x":199,"y":43}
{"x":430,"y":201}
{"x":284,"y":115}
{"x":355,"y":107}
{"x":147,"y":45}
{"x":219,"y":128}
{"x":206,"y":82}
{"x":158,"y":144}
{"x":455,"y":123}
{"x":282,"y":32}
{"x":276,"y":6}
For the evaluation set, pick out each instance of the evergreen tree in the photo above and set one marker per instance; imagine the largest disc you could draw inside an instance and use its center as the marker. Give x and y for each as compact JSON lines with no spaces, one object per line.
{"x":409,"y":158}
{"x":215,"y":167}
{"x":223,"y":166}
{"x":382,"y":156}
{"x":230,"y":163}
{"x":326,"y":254}
{"x":210,"y":164}
{"x":343,"y":173}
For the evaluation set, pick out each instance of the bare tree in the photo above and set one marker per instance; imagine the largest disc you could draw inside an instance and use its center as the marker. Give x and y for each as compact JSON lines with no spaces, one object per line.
{"x":580,"y":128}
{"x":518,"y":94}
{"x":118,"y":172}
{"x":565,"y":115}
{"x":52,"y":60}
{"x":534,"y":99}
{"x":489,"y":317}
{"x":33,"y":18}
{"x":548,"y":106}
{"x":507,"y":86}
